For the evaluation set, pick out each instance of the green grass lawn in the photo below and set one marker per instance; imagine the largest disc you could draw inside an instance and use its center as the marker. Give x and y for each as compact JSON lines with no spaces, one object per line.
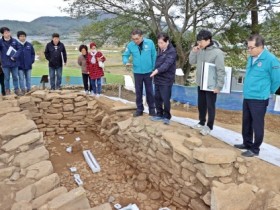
{"x":41,"y":68}
{"x":113,"y":64}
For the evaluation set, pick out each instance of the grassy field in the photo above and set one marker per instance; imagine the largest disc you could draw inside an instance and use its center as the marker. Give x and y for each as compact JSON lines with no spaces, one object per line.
{"x":114,"y":70}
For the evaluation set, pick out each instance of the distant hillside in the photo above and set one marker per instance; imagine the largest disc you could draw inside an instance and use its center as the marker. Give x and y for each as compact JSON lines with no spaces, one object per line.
{"x":48,"y":25}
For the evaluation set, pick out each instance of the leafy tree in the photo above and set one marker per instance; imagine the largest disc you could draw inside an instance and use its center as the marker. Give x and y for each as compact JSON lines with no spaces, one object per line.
{"x":180,"y":18}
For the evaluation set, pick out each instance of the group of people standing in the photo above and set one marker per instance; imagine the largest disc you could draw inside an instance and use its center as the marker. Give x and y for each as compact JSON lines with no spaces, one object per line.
{"x":17,"y":57}
{"x":92,"y":66}
{"x":149,"y":66}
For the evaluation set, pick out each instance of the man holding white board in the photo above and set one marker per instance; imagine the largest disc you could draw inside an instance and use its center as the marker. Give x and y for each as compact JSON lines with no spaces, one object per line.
{"x":206,"y":51}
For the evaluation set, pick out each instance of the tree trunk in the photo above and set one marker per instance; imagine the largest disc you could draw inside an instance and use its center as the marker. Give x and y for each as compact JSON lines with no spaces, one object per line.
{"x":254,"y":16}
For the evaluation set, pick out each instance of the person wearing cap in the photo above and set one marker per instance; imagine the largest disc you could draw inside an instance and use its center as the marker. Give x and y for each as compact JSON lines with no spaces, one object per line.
{"x":262,"y":79}
{"x":95,"y":64}
{"x":206,"y":50}
{"x":26,"y":60}
{"x":10,"y":50}
{"x":144,"y":55}
{"x":55,"y":53}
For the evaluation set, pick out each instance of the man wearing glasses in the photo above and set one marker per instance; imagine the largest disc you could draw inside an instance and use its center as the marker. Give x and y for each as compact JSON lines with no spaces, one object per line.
{"x":262,"y":79}
{"x":144,"y":55}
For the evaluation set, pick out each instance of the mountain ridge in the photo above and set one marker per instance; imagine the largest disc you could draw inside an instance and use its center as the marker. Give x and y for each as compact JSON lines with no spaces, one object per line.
{"x":46,"y":25}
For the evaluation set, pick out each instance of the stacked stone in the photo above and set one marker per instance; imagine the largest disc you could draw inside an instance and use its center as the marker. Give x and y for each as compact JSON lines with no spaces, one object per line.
{"x":27,"y":180}
{"x":60,"y":112}
{"x":181,"y":170}
{"x":189,"y":175}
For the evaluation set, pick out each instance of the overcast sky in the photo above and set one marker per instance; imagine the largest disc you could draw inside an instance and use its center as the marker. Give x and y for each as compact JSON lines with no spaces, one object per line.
{"x":28,"y":10}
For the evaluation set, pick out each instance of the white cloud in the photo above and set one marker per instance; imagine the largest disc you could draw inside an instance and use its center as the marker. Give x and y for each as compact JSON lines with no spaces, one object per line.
{"x":29,"y":10}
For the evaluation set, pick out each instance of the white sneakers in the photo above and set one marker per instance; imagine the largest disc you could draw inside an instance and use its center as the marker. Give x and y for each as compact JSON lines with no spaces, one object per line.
{"x":95,"y":95}
{"x":204,"y":130}
{"x":197,"y":127}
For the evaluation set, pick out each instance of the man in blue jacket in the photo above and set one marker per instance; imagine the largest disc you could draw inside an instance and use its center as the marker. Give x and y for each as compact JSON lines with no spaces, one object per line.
{"x":26,"y":60}
{"x":10,"y":51}
{"x":143,"y":52}
{"x":262,"y":79}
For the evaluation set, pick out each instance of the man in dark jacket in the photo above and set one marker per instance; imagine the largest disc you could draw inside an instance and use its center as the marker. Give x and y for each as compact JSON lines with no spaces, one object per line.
{"x":10,"y":51}
{"x":55,"y":53}
{"x":26,"y":60}
{"x":164,"y":77}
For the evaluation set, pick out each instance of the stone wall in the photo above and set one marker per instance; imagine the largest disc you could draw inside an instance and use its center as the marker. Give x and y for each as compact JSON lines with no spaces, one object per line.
{"x":180,"y":168}
{"x":27,"y":179}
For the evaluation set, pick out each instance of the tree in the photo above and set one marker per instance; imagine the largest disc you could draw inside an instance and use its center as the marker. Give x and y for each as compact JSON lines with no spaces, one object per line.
{"x":180,"y":18}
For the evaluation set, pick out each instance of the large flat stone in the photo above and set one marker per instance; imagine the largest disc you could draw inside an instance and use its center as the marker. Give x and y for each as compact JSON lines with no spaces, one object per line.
{"x":123,"y":125}
{"x":214,"y":155}
{"x":39,"y":170}
{"x":6,"y":172}
{"x":213,"y":170}
{"x":8,"y":110}
{"x":29,"y":158}
{"x":39,"y":94}
{"x":15,"y":124}
{"x":232,"y":197}
{"x":73,"y":200}
{"x":46,"y":184}
{"x":40,"y":201}
{"x":21,"y":140}
{"x":22,"y":205}
{"x":177,"y":142}
{"x":9,"y":103}
{"x":38,"y":189}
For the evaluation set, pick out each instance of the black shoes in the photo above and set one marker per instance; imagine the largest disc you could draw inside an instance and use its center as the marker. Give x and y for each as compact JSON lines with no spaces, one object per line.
{"x":137,"y":114}
{"x":249,"y":153}
{"x":241,"y":146}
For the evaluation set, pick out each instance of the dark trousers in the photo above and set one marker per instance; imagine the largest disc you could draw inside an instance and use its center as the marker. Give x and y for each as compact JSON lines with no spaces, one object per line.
{"x":145,"y":79}
{"x":2,"y":84}
{"x":253,"y":123}
{"x":206,"y":104}
{"x":162,"y":100}
{"x":86,"y":81}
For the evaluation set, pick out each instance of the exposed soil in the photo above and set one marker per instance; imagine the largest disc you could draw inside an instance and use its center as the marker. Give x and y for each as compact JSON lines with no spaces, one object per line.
{"x":115,"y":181}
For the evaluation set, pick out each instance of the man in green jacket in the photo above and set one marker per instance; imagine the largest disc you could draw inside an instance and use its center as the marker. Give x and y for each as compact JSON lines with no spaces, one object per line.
{"x":143,"y":52}
{"x":207,"y":51}
{"x":262,"y":79}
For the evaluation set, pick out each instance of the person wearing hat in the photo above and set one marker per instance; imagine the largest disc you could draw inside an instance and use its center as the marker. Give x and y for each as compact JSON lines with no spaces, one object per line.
{"x":55,"y":53}
{"x":206,"y":50}
{"x":95,"y":64}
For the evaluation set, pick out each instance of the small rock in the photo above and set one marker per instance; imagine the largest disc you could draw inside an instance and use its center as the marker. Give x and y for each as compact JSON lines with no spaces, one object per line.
{"x":77,"y":147}
{"x":142,"y":177}
{"x":142,"y":196}
{"x":155,"y":195}
{"x":242,"y":170}
{"x":111,"y":199}
{"x":15,"y":176}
